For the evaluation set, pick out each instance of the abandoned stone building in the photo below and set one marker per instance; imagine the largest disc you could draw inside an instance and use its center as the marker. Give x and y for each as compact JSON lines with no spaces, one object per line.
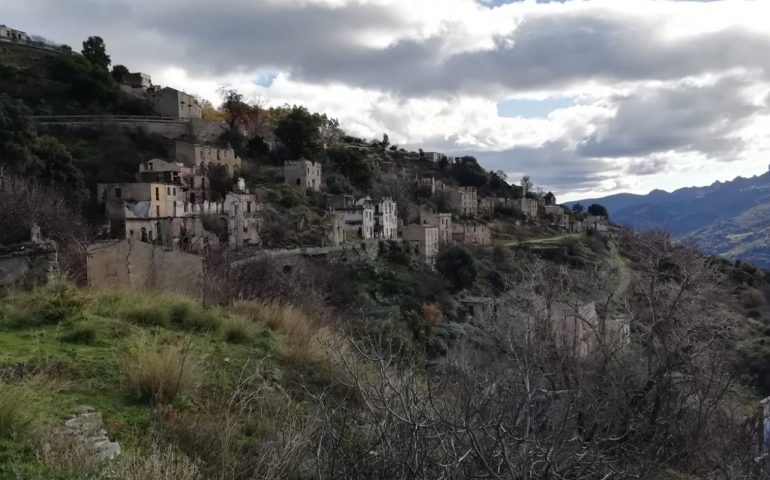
{"x":302,"y":175}
{"x":424,"y":238}
{"x":359,"y":220}
{"x":526,"y":206}
{"x":434,"y":157}
{"x":463,"y":201}
{"x":170,"y":102}
{"x":244,"y":218}
{"x":204,"y":157}
{"x":10,"y":34}
{"x":471,"y":233}
{"x":443,"y":221}
{"x":486,"y":206}
{"x":386,"y":219}
{"x":334,"y":228}
{"x":136,"y":80}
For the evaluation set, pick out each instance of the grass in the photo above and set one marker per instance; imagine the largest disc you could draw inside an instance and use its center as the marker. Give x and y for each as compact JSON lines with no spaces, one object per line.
{"x":158,"y":373}
{"x":129,"y":355}
{"x":15,"y":413}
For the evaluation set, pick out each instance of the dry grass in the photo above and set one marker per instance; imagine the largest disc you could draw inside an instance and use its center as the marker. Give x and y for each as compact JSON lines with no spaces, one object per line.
{"x":60,"y":455}
{"x":237,"y":328}
{"x":162,"y":462}
{"x":156,"y":372}
{"x":304,"y":339}
{"x":16,"y":415}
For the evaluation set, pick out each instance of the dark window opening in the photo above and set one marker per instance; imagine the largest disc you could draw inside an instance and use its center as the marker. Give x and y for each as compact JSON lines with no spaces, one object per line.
{"x":118,"y":193}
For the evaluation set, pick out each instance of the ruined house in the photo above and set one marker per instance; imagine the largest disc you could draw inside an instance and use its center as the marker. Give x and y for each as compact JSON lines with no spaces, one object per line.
{"x":204,"y":157}
{"x":170,"y":102}
{"x":526,"y":206}
{"x":359,"y":220}
{"x":302,"y":175}
{"x":463,"y":201}
{"x":10,"y":34}
{"x":471,"y":233}
{"x":386,"y":219}
{"x":443,"y":221}
{"x":334,"y":228}
{"x":424,"y":238}
{"x":244,"y":217}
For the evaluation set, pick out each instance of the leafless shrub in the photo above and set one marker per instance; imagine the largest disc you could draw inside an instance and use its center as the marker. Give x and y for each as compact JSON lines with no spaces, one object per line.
{"x":26,"y":203}
{"x":530,"y":405}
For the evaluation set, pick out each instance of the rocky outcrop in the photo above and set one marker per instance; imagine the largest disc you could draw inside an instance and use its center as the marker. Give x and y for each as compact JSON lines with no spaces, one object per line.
{"x":87,"y":428}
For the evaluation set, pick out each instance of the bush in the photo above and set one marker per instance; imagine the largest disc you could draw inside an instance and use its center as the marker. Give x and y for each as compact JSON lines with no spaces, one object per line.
{"x":147,"y":315}
{"x":51,"y":305}
{"x":192,"y":316}
{"x":82,"y":334}
{"x":160,"y":463}
{"x":15,"y":413}
{"x":456,"y":265}
{"x":159,"y":373}
{"x":237,"y":329}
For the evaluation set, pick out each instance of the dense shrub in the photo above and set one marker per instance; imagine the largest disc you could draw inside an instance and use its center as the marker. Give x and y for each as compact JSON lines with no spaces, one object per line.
{"x":158,"y":373}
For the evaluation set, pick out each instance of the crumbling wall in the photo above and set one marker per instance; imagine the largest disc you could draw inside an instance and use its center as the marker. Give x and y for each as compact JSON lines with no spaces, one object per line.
{"x":27,"y":265}
{"x":137,"y":265}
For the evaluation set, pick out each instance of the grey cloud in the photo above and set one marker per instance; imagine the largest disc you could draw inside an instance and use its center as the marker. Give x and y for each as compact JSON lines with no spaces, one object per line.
{"x":647,"y":166}
{"x":553,"y":166}
{"x":682,"y":117}
{"x":315,"y":44}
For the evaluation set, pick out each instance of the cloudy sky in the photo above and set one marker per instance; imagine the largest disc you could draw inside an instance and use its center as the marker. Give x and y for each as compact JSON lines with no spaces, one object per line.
{"x":587,"y":97}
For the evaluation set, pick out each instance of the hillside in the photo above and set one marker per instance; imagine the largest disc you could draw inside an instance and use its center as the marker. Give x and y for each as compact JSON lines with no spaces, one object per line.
{"x":725,"y":218}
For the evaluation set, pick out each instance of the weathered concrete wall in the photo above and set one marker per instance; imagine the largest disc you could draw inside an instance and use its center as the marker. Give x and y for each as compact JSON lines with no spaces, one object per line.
{"x":28,"y":265}
{"x":140,"y":266}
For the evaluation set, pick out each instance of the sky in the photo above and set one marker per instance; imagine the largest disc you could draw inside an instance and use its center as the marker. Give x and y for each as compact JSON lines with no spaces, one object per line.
{"x":587,"y":97}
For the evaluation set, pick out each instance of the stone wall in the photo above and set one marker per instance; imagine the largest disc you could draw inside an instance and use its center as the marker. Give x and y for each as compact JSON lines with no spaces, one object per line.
{"x":141,"y":266}
{"x":27,"y":265}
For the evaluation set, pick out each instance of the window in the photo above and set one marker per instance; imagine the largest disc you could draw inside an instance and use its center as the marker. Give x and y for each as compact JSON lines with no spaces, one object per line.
{"x":157,"y":193}
{"x":131,"y":234}
{"x":118,"y":192}
{"x":174,"y":190}
{"x":299,"y":181}
{"x":168,"y":190}
{"x":248,"y":207}
{"x":157,"y":210}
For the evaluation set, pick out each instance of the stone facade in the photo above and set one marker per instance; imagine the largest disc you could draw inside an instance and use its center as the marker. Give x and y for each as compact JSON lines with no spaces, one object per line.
{"x":471,"y":233}
{"x":334,"y":228}
{"x":443,"y":221}
{"x":140,"y":266}
{"x":244,"y":219}
{"x":425,"y":238}
{"x":526,"y":206}
{"x":359,"y":222}
{"x":27,"y":265}
{"x":386,"y":219}
{"x":7,"y":33}
{"x":486,"y":206}
{"x":137,"y":80}
{"x":463,"y":200}
{"x":203,"y":157}
{"x":434,"y":157}
{"x":302,"y":175}
{"x":169,"y":102}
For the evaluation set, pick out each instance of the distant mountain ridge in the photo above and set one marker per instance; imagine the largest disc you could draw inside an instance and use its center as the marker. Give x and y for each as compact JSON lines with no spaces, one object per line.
{"x":731,"y":218}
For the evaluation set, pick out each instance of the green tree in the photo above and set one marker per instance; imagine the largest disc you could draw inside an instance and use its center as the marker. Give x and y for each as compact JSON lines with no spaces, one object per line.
{"x":385,"y":141}
{"x":299,"y":131}
{"x":352,"y":163}
{"x":118,"y":72}
{"x":578,"y":208}
{"x":456,"y":264}
{"x":469,"y":173}
{"x":24,"y":153}
{"x":17,"y":136}
{"x":96,"y":52}
{"x":598,"y":210}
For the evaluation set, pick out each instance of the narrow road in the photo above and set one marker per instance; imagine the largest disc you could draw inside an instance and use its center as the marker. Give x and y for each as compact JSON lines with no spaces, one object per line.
{"x":542,"y":240}
{"x":623,"y":272}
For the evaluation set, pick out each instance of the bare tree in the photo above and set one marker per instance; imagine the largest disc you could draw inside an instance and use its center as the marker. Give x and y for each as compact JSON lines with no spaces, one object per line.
{"x":530,"y":405}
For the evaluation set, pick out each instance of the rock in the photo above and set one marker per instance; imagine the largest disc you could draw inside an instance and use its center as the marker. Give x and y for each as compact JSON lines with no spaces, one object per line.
{"x":87,"y":428}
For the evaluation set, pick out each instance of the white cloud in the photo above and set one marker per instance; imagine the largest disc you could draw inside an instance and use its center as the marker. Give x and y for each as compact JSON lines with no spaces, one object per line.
{"x":668,"y":93}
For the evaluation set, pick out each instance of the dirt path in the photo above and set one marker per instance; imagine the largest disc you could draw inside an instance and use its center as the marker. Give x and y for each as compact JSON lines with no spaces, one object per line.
{"x":623,"y":271}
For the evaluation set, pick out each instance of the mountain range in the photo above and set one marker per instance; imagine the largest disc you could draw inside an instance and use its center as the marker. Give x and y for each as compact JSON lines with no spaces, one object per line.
{"x":731,"y":219}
